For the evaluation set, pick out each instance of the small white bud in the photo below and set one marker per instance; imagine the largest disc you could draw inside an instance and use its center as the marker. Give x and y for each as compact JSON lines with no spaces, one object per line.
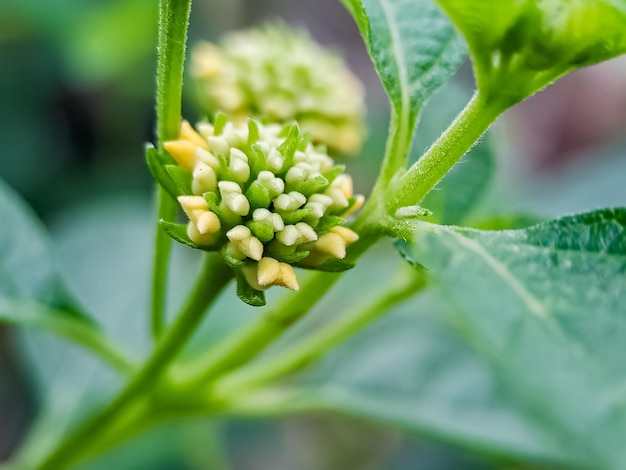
{"x":289,"y":201}
{"x":277,"y":222}
{"x":238,"y":233}
{"x":274,"y":160}
{"x":239,"y":204}
{"x":262,"y":215}
{"x":219,"y":145}
{"x":205,"y":129}
{"x":204,"y":179}
{"x":307,"y":234}
{"x":240,"y":170}
{"x":207,"y":158}
{"x":275,"y":185}
{"x":288,"y":236}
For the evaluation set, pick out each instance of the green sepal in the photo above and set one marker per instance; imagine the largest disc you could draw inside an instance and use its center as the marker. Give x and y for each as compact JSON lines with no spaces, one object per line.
{"x":295,"y":216}
{"x":288,"y":148}
{"x":247,"y":293}
{"x":258,"y":196}
{"x":321,"y":148}
{"x":182,"y":178}
{"x":351,"y":202}
{"x":335,"y":171}
{"x":333,"y":265}
{"x":156,"y":163}
{"x":327,"y":222}
{"x":178,"y":232}
{"x":230,"y":260}
{"x":293,"y":258}
{"x":253,"y":132}
{"x":220,"y":122}
{"x":305,"y":140}
{"x":262,"y":230}
{"x":257,"y":160}
{"x":212,"y":200}
{"x":313,"y":185}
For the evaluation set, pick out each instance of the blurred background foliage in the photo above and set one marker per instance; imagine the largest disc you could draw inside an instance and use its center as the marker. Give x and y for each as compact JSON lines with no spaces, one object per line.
{"x":76,"y":107}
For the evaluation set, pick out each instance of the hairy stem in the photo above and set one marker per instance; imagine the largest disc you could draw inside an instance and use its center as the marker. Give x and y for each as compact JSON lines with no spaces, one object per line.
{"x":455,"y":142}
{"x":214,"y":276}
{"x":173,"y":23}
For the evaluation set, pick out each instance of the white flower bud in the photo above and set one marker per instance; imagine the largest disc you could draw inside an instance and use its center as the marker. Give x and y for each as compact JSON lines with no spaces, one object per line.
{"x":289,"y":201}
{"x":218,"y":145}
{"x":204,"y":179}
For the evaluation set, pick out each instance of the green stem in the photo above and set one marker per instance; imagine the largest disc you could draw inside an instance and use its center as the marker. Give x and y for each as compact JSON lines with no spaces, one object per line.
{"x":462,"y":134}
{"x":245,"y":343}
{"x":401,"y":130}
{"x":167,"y":209}
{"x":318,"y":344}
{"x":214,"y":276}
{"x":173,"y":24}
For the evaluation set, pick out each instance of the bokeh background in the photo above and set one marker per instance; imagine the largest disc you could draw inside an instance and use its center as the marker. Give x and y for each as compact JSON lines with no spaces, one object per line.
{"x":77,"y":106}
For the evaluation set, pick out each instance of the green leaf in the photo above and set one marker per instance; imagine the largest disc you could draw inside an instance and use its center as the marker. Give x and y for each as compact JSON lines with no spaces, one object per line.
{"x":545,"y":307}
{"x":414,"y":48}
{"x":247,"y":293}
{"x":520,"y":46}
{"x":178,"y":232}
{"x":415,"y":51}
{"x":27,"y":269}
{"x":410,"y":372}
{"x":457,"y":195}
{"x":182,"y":178}
{"x":157,"y":166}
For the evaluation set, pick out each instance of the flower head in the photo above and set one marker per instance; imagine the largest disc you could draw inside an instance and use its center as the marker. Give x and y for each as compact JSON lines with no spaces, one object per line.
{"x":263,"y":195}
{"x":282,"y":75}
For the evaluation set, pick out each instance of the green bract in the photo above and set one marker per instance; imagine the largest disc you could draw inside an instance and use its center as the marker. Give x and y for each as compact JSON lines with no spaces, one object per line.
{"x":263,"y":195}
{"x":520,"y":46}
{"x":282,"y":75}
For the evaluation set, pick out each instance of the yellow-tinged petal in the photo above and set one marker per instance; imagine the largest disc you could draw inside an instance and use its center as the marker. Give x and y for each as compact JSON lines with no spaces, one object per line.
{"x":208,"y":222}
{"x":348,"y":235}
{"x":183,"y":151}
{"x":332,"y":244}
{"x":188,"y":133}
{"x":268,"y":271}
{"x":194,"y":206}
{"x":200,"y":238}
{"x":287,"y":277}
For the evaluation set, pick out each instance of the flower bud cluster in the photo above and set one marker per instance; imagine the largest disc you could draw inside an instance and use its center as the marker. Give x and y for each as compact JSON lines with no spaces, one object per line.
{"x":264,"y":196}
{"x":282,"y":75}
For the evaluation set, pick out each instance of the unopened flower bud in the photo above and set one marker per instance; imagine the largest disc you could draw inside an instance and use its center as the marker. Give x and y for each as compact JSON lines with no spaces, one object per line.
{"x":283,"y":75}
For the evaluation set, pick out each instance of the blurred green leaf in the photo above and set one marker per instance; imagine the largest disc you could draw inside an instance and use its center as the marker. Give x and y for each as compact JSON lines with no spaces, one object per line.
{"x":520,"y":46}
{"x":27,"y":270}
{"x":411,"y":372}
{"x":98,"y":41}
{"x":545,"y":307}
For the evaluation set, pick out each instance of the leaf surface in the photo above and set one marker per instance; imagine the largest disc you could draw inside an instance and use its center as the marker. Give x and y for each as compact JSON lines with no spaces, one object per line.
{"x":545,"y":307}
{"x":27,"y":269}
{"x":414,"y":48}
